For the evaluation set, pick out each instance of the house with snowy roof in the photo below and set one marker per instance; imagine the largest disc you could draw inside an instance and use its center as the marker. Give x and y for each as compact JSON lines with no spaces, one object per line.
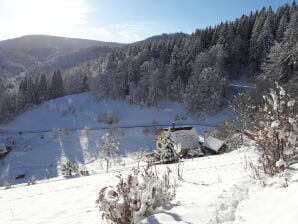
{"x":213,"y":145}
{"x":184,"y":138}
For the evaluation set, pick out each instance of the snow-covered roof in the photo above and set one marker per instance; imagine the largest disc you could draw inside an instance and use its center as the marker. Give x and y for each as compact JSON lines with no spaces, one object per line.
{"x":213,"y":143}
{"x":187,"y":136}
{"x":201,"y":138}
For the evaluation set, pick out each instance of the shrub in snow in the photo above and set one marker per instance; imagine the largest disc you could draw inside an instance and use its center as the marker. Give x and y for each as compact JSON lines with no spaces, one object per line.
{"x":8,"y":184}
{"x":31,"y":181}
{"x":60,"y":132}
{"x":69,"y":168}
{"x":86,"y":131}
{"x":47,"y":174}
{"x":277,"y":133}
{"x":281,"y":164}
{"x":108,"y":118}
{"x":179,"y":169}
{"x":138,"y":156}
{"x":243,"y":105}
{"x":71,"y":109}
{"x":136,"y":196}
{"x":146,"y":131}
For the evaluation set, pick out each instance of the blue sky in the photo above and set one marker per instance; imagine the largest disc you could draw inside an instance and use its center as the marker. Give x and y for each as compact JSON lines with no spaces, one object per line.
{"x":119,"y":20}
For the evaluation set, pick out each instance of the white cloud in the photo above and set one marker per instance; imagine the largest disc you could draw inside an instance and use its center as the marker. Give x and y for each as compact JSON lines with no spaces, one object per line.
{"x":100,"y":30}
{"x":129,"y":36}
{"x":52,"y":17}
{"x":69,"y":18}
{"x":130,"y":32}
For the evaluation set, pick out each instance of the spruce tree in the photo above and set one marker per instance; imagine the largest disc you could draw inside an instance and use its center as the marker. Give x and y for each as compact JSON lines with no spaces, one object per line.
{"x":56,"y":87}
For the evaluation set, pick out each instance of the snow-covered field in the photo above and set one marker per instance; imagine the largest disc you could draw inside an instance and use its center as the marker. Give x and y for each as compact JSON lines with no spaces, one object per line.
{"x":215,"y":189}
{"x":67,"y":128}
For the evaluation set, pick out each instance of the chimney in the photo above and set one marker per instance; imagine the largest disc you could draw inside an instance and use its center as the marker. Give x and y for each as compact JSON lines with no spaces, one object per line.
{"x":173,"y":126}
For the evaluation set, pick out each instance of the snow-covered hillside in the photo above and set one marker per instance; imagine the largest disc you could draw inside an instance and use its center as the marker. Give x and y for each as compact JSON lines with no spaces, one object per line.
{"x":67,"y":127}
{"x":215,"y":189}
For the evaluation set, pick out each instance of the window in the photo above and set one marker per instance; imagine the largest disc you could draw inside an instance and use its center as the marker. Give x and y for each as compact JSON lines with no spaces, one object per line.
{"x":159,"y":145}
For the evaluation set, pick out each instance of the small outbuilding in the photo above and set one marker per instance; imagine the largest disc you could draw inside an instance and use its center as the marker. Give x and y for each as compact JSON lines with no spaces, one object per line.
{"x":213,"y":145}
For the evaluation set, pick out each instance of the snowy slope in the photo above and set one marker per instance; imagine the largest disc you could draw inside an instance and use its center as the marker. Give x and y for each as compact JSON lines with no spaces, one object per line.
{"x":39,"y":147}
{"x":49,"y":115}
{"x":215,"y":189}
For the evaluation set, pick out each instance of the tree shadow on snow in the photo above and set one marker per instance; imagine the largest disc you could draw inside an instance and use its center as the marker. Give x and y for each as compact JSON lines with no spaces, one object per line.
{"x":152,"y":219}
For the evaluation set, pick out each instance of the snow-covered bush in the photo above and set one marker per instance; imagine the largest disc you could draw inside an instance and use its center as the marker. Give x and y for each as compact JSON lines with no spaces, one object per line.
{"x":70,"y":109}
{"x":135,"y":197}
{"x":31,"y":181}
{"x":138,"y":156}
{"x":8,"y":184}
{"x":179,"y":169}
{"x":60,"y":132}
{"x":108,"y":118}
{"x":277,"y":132}
{"x":146,"y":131}
{"x":47,"y":174}
{"x":86,"y":131}
{"x":69,"y":168}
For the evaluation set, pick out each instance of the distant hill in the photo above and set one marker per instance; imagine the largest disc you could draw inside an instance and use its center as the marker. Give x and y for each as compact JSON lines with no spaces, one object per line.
{"x":34,"y":54}
{"x":162,"y":38}
{"x":44,"y":52}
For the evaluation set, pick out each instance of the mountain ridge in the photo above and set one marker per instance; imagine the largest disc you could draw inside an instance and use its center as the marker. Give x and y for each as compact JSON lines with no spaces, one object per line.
{"x":25,"y":54}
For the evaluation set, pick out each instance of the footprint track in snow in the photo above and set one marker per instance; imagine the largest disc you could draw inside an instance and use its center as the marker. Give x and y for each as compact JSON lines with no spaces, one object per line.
{"x":227,"y":204}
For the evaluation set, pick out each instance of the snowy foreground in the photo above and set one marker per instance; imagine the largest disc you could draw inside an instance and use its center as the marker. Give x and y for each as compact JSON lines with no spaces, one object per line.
{"x":215,"y":189}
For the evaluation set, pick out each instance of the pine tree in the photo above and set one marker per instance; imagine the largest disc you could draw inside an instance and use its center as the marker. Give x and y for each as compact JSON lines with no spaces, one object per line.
{"x":265,"y":38}
{"x":204,"y":92}
{"x":273,"y":70}
{"x":168,"y":154}
{"x":43,"y":88}
{"x":290,"y":45}
{"x":85,"y":85}
{"x":283,"y":23}
{"x":255,"y":50}
{"x":56,"y":88}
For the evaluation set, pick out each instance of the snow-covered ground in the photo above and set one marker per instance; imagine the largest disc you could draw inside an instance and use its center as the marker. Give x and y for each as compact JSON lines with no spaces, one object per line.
{"x":67,"y":127}
{"x":55,"y":114}
{"x":215,"y":189}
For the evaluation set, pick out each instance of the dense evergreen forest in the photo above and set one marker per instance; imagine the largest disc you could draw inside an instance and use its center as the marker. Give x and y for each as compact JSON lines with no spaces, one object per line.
{"x":194,"y":70}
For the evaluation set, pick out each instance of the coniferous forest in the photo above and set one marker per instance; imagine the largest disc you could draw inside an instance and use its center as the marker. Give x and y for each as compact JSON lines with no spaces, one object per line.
{"x":191,"y":69}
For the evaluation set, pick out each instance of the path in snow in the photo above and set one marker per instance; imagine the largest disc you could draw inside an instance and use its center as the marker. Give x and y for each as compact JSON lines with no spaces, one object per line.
{"x":227,"y":204}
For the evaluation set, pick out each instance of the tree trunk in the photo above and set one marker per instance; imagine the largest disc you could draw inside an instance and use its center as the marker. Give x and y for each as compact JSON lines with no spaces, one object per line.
{"x":107,"y":165}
